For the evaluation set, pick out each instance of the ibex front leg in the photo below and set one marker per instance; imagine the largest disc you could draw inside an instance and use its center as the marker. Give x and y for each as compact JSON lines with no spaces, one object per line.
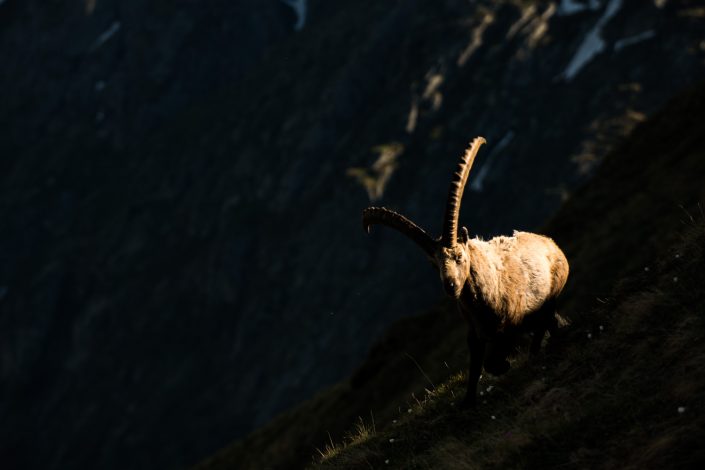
{"x":496,"y":353}
{"x":477,"y":357}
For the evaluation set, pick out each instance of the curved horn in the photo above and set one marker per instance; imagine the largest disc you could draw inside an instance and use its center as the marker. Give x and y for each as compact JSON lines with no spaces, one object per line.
{"x":383,"y":216}
{"x":455,"y":193}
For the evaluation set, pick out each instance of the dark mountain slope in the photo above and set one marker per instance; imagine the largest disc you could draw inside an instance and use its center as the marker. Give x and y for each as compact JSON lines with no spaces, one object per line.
{"x":640,"y":217}
{"x":624,"y":389}
{"x":638,"y":200}
{"x":626,"y":395}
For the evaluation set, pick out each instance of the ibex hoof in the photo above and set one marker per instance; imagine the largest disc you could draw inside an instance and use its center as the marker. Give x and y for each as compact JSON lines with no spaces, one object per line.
{"x":468,"y":403}
{"x":497,"y":367}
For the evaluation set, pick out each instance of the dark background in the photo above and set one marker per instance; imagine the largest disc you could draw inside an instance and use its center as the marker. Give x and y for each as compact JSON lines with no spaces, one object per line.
{"x":181,"y":252}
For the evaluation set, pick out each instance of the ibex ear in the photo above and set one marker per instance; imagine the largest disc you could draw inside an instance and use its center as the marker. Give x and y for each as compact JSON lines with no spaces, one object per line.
{"x":464,"y":235}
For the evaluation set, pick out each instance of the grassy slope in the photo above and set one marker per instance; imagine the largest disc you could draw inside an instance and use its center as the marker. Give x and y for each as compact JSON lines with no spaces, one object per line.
{"x":607,"y":400}
{"x":629,"y":397}
{"x":624,"y":389}
{"x":378,"y":390}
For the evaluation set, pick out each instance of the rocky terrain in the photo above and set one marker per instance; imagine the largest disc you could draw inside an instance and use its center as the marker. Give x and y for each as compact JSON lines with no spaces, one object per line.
{"x":181,"y":255}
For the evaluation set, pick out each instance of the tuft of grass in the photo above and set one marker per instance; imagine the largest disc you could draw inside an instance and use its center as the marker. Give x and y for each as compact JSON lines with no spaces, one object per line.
{"x":330,"y":450}
{"x":360,"y":433}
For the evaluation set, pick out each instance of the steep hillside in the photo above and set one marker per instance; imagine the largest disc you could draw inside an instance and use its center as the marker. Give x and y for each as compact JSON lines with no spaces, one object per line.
{"x":181,"y":182}
{"x":621,"y":389}
{"x":625,"y":393}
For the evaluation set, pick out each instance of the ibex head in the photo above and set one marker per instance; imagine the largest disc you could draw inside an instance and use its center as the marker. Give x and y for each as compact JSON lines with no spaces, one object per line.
{"x":448,"y":252}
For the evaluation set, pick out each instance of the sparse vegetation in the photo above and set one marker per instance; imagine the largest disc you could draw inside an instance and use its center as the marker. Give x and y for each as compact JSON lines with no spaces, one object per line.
{"x":625,"y":391}
{"x":620,"y":390}
{"x":361,"y":433}
{"x":375,"y":179}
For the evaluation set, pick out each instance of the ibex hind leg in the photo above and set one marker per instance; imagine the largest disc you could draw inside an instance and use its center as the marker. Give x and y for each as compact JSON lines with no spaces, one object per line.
{"x":558,"y":337}
{"x":547,"y":322}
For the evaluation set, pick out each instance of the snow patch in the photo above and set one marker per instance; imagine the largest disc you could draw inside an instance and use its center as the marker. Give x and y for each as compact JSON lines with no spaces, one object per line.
{"x":478,"y":183}
{"x":631,"y":40}
{"x":299,"y":7}
{"x":571,"y":7}
{"x":107,"y":34}
{"x":592,"y":45}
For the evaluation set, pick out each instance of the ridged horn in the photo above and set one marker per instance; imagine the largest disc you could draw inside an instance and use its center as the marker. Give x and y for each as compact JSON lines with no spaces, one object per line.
{"x":383,"y":216}
{"x":455,"y":193}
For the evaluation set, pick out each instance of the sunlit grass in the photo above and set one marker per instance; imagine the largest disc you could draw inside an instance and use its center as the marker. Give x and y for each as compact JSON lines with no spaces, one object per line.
{"x":360,"y":433}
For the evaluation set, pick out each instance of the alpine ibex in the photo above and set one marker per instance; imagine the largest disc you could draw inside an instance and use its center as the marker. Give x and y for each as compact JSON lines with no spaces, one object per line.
{"x":503,"y":287}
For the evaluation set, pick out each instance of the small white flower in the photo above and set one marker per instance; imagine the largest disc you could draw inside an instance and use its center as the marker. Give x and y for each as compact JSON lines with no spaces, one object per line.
{"x":678,"y":255}
{"x":589,"y":335}
{"x":681,"y":409}
{"x":489,"y":389}
{"x":391,"y":440}
{"x":409,"y":410}
{"x":646,"y":269}
{"x":493,"y":417}
{"x":675,"y":278}
{"x":543,"y":367}
{"x":602,"y":328}
{"x":386,"y":461}
{"x":482,"y":394}
{"x":394,"y":421}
